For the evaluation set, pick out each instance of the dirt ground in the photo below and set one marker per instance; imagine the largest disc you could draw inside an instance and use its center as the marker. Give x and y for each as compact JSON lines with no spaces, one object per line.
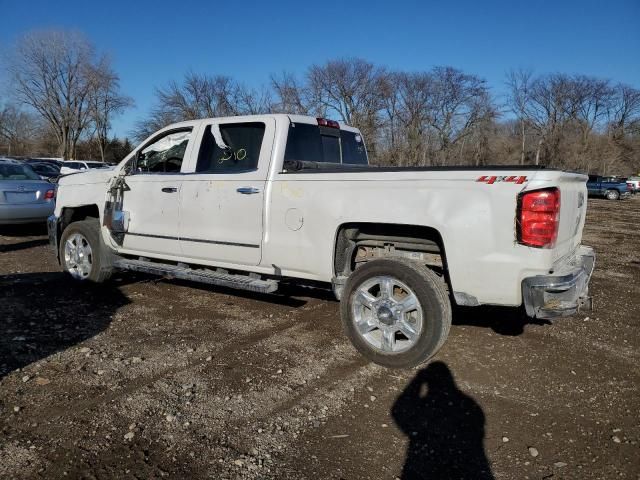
{"x":147,"y":378}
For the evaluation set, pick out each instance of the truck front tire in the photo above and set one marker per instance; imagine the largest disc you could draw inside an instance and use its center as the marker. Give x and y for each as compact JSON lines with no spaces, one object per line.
{"x":82,"y":253}
{"x":396,"y":312}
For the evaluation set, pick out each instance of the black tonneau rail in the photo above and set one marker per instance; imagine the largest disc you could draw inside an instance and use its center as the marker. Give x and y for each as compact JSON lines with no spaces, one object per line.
{"x":298,"y":166}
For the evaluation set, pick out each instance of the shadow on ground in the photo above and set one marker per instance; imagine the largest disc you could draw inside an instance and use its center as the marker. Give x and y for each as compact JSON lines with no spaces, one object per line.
{"x":13,"y":247}
{"x":20,"y":232}
{"x":44,"y":313}
{"x":445,"y":428}
{"x":24,"y":230}
{"x":509,"y":321}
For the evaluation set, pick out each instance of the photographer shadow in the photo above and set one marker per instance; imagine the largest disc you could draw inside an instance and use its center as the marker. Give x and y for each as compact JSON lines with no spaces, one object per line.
{"x":445,"y":428}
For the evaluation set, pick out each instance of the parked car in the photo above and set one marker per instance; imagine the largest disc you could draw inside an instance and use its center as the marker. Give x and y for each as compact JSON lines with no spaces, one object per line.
{"x":635,"y":184}
{"x":250,"y":202}
{"x":50,"y":161}
{"x":611,"y":188}
{"x":45,"y":170}
{"x":75,"y":166}
{"x":24,"y":196}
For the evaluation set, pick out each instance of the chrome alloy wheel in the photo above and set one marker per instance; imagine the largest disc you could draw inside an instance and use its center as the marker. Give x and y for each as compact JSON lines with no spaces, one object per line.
{"x":78,"y":256}
{"x":387,"y":314}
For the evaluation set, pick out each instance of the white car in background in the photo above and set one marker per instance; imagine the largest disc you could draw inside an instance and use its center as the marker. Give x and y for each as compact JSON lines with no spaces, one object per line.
{"x":74,"y":166}
{"x":635,"y":184}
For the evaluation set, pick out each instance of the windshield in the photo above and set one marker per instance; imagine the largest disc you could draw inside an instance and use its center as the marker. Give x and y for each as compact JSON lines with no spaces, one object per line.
{"x":12,"y":171}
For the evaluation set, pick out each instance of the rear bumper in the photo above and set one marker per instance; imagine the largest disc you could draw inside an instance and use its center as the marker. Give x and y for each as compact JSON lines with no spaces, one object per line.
{"x":564,"y":292}
{"x":25,"y":213}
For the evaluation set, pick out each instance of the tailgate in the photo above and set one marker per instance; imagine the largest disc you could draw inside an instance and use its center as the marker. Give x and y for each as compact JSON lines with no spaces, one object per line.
{"x":573,"y":209}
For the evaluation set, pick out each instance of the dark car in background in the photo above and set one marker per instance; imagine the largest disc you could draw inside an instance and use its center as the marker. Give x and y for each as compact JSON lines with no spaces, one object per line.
{"x":49,"y":161}
{"x":45,"y":170}
{"x":611,"y":188}
{"x":24,"y":196}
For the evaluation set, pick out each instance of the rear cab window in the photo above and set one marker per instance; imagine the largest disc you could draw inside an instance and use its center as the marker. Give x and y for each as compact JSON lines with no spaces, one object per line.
{"x":321,"y":144}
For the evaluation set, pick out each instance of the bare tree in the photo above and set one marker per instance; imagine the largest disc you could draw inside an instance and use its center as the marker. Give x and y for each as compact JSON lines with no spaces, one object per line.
{"x":51,"y":73}
{"x":459,"y":102}
{"x":17,"y":129}
{"x":291,"y":95}
{"x":415,"y":94}
{"x":518,"y":98}
{"x":349,"y":89}
{"x":624,"y":111}
{"x":202,"y":96}
{"x":105,"y":101}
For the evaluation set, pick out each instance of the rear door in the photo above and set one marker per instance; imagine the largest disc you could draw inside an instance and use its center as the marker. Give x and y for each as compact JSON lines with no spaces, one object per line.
{"x":153,"y":198}
{"x":222,"y":199}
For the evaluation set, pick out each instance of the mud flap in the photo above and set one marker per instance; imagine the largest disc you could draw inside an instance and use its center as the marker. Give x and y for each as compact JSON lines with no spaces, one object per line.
{"x":116,"y":219}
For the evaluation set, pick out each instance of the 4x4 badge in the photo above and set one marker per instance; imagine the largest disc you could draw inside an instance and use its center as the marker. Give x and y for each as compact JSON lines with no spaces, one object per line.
{"x":490,"y":180}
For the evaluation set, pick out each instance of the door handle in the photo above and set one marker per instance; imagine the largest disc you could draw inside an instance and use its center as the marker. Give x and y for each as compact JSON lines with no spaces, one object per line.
{"x":248,"y":190}
{"x":169,"y":189}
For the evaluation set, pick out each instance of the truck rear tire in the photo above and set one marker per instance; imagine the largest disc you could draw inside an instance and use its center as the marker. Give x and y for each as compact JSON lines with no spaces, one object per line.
{"x":612,"y":195}
{"x":396,"y":312}
{"x":82,"y":253}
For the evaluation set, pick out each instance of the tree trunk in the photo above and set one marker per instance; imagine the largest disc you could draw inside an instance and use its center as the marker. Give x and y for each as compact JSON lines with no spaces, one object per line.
{"x":538,"y":152}
{"x":522,"y":153}
{"x":103,"y":146}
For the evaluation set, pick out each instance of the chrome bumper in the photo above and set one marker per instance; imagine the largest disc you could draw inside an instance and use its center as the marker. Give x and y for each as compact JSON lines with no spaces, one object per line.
{"x":563,"y":293}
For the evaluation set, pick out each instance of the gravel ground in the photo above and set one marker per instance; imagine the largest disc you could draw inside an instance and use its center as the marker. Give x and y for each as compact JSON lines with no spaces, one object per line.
{"x":147,"y":378}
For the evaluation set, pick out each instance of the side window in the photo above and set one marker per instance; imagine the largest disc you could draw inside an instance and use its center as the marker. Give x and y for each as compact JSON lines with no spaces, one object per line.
{"x":353,"y":151}
{"x":165,"y":154}
{"x":244,"y":142}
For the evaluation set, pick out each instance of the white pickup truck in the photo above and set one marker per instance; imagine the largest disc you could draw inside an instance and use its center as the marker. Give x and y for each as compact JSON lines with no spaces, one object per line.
{"x":250,"y":202}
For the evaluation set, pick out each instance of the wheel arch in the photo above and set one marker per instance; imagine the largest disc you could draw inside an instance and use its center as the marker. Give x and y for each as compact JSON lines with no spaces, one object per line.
{"x":418,"y":238}
{"x":68,"y":215}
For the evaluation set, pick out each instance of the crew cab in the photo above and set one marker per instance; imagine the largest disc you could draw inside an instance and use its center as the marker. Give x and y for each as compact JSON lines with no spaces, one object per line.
{"x":610,"y":188}
{"x":252,"y":202}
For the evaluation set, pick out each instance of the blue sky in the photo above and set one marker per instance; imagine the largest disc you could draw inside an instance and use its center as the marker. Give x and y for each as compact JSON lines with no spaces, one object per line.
{"x":153,"y":42}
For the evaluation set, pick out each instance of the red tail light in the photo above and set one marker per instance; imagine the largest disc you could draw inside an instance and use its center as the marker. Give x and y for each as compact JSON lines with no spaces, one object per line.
{"x":50,"y":195}
{"x":323,"y":122}
{"x":538,"y":217}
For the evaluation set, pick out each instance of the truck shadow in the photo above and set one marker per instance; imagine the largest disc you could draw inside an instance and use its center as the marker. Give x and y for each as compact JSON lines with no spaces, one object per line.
{"x":44,"y":313}
{"x":13,"y":247}
{"x":287,"y":295}
{"x":22,"y":231}
{"x":445,"y":428}
{"x":508,"y":321}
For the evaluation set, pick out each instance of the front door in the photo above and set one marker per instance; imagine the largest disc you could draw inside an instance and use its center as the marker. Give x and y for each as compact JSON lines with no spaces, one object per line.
{"x":222,"y":200}
{"x":152,"y":201}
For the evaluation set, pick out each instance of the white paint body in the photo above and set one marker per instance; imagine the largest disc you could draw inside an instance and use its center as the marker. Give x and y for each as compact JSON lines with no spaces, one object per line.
{"x":291,"y":224}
